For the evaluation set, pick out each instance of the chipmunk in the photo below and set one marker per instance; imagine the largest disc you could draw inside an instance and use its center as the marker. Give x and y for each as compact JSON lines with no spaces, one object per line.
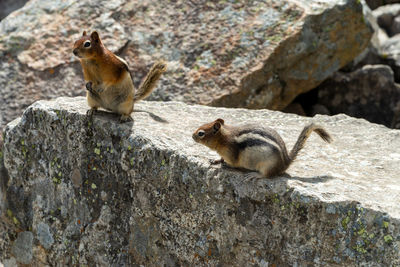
{"x":252,"y":147}
{"x":109,"y":82}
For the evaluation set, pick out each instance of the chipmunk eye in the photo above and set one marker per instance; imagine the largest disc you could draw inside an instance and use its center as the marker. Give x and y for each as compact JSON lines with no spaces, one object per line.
{"x":201,"y":133}
{"x":86,"y":44}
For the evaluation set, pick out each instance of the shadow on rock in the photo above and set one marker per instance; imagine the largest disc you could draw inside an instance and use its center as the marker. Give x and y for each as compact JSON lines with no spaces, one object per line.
{"x":114,"y":116}
{"x":311,"y":180}
{"x":152,"y":115}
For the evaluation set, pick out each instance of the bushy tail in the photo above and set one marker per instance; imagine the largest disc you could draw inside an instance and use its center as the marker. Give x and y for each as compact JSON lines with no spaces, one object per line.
{"x":150,"y":80}
{"x":304,"y":136}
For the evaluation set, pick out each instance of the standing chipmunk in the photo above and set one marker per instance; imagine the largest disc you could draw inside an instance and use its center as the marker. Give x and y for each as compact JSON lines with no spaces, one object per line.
{"x":252,"y":147}
{"x":109,"y":82}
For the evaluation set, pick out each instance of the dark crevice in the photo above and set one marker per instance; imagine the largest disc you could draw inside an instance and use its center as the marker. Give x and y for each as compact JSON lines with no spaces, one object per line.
{"x":307,"y":101}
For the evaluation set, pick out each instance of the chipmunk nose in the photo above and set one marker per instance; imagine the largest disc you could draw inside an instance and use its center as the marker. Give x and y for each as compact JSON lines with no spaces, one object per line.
{"x":75,"y":52}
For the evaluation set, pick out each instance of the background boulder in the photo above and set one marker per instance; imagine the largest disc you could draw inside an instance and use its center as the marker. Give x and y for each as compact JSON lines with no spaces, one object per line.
{"x":368,"y":87}
{"x":367,"y":92}
{"x":253,"y":54}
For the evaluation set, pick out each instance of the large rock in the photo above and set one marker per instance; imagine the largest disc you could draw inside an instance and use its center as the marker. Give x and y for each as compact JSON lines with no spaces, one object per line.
{"x":117,"y":194}
{"x":372,"y":54}
{"x":369,"y":92}
{"x":257,"y":54}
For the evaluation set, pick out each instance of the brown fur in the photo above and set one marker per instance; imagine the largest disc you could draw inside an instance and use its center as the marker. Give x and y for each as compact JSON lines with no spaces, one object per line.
{"x":110,"y":79}
{"x":242,"y":147}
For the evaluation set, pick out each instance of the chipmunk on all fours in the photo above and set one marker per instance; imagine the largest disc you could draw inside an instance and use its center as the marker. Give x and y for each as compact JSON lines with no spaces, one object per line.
{"x":253,"y":147}
{"x":109,"y":81}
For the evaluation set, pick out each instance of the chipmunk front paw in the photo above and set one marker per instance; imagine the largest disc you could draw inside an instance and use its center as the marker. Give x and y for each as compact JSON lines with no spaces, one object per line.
{"x":216,"y":161}
{"x":90,"y":88}
{"x":91,"y":112}
{"x":125,"y":118}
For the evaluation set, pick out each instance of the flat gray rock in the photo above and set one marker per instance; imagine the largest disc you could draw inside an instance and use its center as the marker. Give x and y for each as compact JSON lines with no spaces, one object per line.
{"x":144,"y":192}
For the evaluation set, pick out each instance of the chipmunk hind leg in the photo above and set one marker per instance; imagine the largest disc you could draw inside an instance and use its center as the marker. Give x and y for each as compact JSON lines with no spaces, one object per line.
{"x":125,"y":109}
{"x":271,"y":172}
{"x":92,"y":103}
{"x":270,"y":167}
{"x":264,"y":171}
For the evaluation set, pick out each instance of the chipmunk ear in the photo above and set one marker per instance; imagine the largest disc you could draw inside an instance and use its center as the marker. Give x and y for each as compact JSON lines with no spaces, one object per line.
{"x":217,"y":125}
{"x":84,"y":33}
{"x":220,"y":121}
{"x":95,"y":36}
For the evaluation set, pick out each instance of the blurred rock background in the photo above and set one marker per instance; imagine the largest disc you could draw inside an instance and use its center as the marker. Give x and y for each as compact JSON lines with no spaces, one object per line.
{"x":368,"y":87}
{"x":255,"y":55}
{"x":233,"y":55}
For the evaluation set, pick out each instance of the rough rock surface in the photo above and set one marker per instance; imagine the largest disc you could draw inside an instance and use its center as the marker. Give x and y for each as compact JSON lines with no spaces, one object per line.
{"x":367,"y":87}
{"x":369,"y":92}
{"x":145,"y":193}
{"x":223,"y":53}
{"x":372,"y":54}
